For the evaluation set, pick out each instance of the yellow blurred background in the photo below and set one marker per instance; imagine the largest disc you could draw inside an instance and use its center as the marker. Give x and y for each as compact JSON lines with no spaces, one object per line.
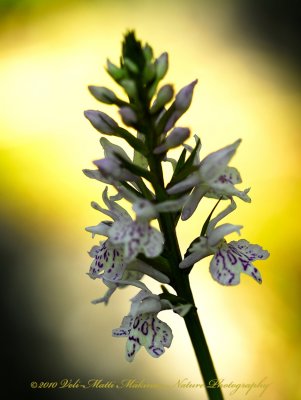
{"x":49,"y":54}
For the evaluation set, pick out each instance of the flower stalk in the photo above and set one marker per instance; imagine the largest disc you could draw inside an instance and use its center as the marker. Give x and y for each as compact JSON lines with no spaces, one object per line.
{"x":133,"y":247}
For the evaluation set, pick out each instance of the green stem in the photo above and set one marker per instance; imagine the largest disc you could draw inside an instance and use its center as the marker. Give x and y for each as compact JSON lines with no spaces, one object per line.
{"x":180,"y":282}
{"x":194,"y":327}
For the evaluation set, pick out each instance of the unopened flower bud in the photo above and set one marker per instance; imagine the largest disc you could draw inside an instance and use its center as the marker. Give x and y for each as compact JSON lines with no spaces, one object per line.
{"x":103,"y":94}
{"x":162,"y":66}
{"x":131,"y":66}
{"x":148,"y":52}
{"x":176,"y":137}
{"x":130,"y":87}
{"x":149,"y":72}
{"x":164,"y":96}
{"x":101,"y":121}
{"x":108,"y":167}
{"x":111,"y":169}
{"x":181,"y":104}
{"x":115,"y":72}
{"x":128,"y":116}
{"x":184,"y":97}
{"x":95,"y":174}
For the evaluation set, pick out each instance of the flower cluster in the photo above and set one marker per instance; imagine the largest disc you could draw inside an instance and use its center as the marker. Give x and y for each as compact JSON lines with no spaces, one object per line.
{"x":143,"y":241}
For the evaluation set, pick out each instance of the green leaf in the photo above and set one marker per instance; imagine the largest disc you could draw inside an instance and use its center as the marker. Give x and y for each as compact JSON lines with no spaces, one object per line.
{"x":190,"y":159}
{"x":186,"y":168}
{"x":181,"y":162}
{"x":206,"y":223}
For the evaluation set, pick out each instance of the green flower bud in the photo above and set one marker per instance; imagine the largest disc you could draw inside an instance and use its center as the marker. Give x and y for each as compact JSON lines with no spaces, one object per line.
{"x":131,"y":66}
{"x":128,"y":116}
{"x":102,"y":122}
{"x":149,"y":73}
{"x":162,"y":66}
{"x":115,"y":72}
{"x":175,"y":139}
{"x":164,"y":95}
{"x":148,"y":52}
{"x":130,"y":87}
{"x":103,"y":94}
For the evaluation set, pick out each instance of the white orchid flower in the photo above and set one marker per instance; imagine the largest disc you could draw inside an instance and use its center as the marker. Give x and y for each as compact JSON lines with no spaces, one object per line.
{"x":132,"y":236}
{"x":236,"y":257}
{"x":230,"y":259}
{"x":142,"y":327}
{"x":214,"y":178}
{"x":109,"y":264}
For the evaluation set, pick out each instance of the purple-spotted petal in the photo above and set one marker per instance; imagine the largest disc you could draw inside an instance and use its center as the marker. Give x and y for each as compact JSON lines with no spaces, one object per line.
{"x":108,"y":261}
{"x":136,"y":237}
{"x":149,"y":331}
{"x":251,"y":251}
{"x":235,"y":258}
{"x":225,"y":269}
{"x":124,"y":328}
{"x":132,"y":347}
{"x":229,"y":175}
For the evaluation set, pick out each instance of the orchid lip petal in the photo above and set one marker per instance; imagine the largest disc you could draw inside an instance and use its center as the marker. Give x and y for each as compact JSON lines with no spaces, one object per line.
{"x":235,"y":258}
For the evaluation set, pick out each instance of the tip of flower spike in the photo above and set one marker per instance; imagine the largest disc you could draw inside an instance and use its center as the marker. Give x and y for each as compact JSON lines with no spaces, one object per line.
{"x":89,"y":114}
